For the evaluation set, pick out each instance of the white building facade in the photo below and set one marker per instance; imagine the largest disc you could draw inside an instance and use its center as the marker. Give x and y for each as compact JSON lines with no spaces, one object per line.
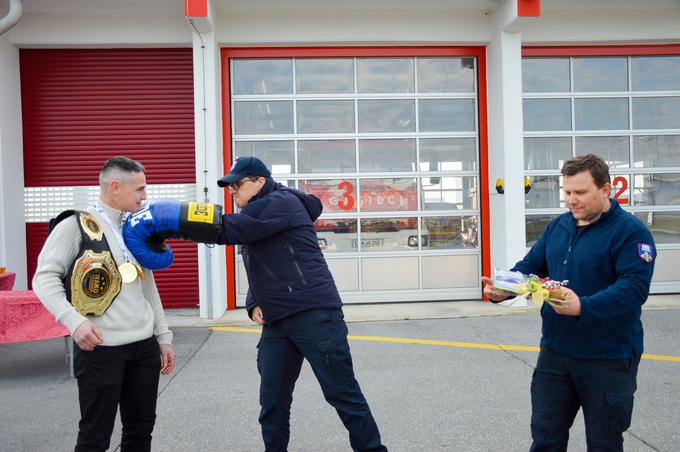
{"x":401,"y":116}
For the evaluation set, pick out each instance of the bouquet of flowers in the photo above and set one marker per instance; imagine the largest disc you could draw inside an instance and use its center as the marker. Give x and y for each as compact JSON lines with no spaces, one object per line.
{"x":538,"y":289}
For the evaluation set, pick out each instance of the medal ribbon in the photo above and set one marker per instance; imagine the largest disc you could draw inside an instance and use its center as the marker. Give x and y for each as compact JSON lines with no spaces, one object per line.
{"x":116,"y":233}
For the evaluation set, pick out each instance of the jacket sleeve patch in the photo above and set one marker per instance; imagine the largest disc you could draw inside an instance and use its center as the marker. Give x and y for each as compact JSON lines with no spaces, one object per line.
{"x":645,"y":251}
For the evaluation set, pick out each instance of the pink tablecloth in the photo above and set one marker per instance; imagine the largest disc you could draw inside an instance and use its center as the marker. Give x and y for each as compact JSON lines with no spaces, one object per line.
{"x":24,"y":318}
{"x":7,"y":280}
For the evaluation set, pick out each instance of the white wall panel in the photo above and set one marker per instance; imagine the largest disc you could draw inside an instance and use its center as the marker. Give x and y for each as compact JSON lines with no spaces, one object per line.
{"x":451,"y":271}
{"x":389,"y":273}
{"x":346,"y":273}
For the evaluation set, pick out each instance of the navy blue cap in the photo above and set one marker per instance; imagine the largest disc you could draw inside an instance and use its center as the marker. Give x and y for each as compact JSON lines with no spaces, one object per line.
{"x":244,"y":167}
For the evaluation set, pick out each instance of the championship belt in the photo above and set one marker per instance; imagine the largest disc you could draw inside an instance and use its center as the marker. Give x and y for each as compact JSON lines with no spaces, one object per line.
{"x":94,"y":280}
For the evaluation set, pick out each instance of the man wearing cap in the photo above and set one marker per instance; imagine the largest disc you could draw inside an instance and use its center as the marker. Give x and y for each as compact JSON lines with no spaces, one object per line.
{"x":292,"y":294}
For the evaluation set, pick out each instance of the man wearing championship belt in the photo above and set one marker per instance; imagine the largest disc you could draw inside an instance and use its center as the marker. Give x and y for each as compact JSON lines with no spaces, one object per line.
{"x":93,"y":285}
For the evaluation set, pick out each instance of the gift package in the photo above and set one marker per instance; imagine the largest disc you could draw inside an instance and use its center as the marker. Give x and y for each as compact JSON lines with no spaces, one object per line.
{"x":531,"y":286}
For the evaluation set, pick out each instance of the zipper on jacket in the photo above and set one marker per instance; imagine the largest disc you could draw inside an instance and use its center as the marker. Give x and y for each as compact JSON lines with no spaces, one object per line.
{"x":296,"y":263}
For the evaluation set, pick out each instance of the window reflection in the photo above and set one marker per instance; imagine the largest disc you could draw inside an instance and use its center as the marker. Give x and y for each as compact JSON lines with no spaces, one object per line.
{"x":450,"y":232}
{"x":279,"y":156}
{"x":326,"y":156}
{"x":600,"y":74}
{"x":546,"y":191}
{"x":324,"y":75}
{"x":543,"y":153}
{"x":614,"y":150}
{"x":655,"y":73}
{"x":656,"y":112}
{"x":656,"y":150}
{"x":325,"y":116}
{"x":263,"y":76}
{"x":389,"y":234}
{"x":448,"y":154}
{"x":387,"y":155}
{"x":547,"y":114}
{"x":336,"y":195}
{"x":535,"y":225}
{"x":601,"y":113}
{"x":251,"y":118}
{"x":545,"y":75}
{"x":657,"y":189}
{"x":385,"y":75}
{"x":664,"y":226}
{"x":446,"y":115}
{"x":379,"y":195}
{"x":387,"y":115}
{"x":336,"y":234}
{"x":446,"y":75}
{"x":447,"y":193}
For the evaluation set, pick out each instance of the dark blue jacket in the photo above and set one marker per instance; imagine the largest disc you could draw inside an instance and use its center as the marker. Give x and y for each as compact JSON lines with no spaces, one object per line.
{"x":286,"y":270}
{"x":607,"y":266}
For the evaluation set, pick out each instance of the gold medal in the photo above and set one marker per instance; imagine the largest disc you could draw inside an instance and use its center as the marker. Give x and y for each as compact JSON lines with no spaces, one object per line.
{"x":140,"y":272}
{"x":128,"y":272}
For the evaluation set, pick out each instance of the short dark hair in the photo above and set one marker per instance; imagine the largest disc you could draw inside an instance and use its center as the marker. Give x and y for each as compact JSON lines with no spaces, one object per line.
{"x":589,"y":162}
{"x":116,"y":167}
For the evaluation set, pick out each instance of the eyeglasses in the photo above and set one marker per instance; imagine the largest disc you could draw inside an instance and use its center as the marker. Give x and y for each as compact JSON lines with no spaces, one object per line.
{"x":234,"y":186}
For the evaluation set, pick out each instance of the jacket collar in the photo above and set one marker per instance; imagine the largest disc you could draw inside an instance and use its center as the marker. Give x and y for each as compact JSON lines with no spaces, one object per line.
{"x":570,"y":222}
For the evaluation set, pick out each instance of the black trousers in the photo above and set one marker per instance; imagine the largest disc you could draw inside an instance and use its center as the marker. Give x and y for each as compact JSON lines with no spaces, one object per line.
{"x":603,"y":388}
{"x":320,"y":337}
{"x":125,"y":375}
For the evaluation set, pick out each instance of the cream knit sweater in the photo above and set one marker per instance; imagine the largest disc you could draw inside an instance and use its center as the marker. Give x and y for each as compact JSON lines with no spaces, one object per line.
{"x":135,"y":314}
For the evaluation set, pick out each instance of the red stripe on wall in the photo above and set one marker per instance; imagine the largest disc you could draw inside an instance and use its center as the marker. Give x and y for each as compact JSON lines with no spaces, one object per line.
{"x":528,"y":8}
{"x":81,"y":107}
{"x":177,"y":285}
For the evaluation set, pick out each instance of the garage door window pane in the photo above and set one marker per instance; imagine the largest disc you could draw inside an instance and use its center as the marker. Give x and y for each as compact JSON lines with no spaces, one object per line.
{"x":614,"y":150}
{"x":448,"y":154}
{"x":657,"y":189}
{"x":656,"y":151}
{"x":387,"y":155}
{"x":336,"y":195}
{"x":545,"y":75}
{"x":279,"y":156}
{"x":325,"y":116}
{"x":449,"y":193}
{"x":535,"y":225}
{"x":655,"y":73}
{"x":260,"y":118}
{"x":336,"y":234}
{"x":450,"y":232}
{"x":600,"y":74}
{"x":601,"y":114}
{"x":389,"y":234}
{"x":326,"y":156}
{"x":321,"y":76}
{"x":664,"y":226}
{"x":263,"y":76}
{"x":446,"y":115}
{"x":380,"y":195}
{"x":385,"y":75}
{"x":546,"y":153}
{"x":382,"y":116}
{"x":546,"y":192}
{"x":547,"y":114}
{"x":656,"y":112}
{"x":446,"y":75}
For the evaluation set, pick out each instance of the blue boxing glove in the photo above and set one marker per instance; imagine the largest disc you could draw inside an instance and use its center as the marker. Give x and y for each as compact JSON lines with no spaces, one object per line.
{"x":145,"y":231}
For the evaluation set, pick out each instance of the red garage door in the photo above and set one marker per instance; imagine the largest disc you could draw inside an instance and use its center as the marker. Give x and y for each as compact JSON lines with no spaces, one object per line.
{"x":81,"y":107}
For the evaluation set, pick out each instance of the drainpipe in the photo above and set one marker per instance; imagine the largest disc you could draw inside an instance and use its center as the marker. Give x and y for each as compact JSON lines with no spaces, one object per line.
{"x":12,"y":17}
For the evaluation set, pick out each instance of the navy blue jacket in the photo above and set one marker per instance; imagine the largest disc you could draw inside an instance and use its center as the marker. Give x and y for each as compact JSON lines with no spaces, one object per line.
{"x":609,"y":265}
{"x":286,"y":270}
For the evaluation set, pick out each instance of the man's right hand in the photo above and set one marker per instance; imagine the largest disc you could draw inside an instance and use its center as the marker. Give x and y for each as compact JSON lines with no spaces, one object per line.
{"x":87,"y":336}
{"x":257,"y":316}
{"x":491,"y":292}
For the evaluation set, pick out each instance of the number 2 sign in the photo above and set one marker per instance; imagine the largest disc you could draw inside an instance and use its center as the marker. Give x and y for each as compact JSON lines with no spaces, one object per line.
{"x":620,"y":185}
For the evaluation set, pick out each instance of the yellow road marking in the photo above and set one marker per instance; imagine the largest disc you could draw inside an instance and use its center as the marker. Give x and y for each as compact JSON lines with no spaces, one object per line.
{"x":400,"y":340}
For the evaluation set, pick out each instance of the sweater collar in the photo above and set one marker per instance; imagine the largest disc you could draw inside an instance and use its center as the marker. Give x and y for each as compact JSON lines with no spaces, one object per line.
{"x":614,"y":207}
{"x":116,"y":216}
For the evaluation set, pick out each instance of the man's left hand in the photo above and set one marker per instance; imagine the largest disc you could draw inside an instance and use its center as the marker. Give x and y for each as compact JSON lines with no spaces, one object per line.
{"x":167,"y":359}
{"x":573,"y":306}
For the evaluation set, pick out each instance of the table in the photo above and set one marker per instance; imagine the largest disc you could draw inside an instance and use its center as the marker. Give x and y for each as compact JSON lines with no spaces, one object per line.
{"x":24,"y":318}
